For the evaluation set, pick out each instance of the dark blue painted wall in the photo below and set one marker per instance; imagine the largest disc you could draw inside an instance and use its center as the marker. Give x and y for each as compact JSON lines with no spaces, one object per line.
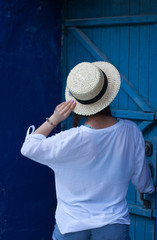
{"x":30,"y":88}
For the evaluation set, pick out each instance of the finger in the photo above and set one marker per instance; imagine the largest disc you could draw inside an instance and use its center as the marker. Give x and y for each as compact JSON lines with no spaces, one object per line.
{"x":68,"y":108}
{"x":65,"y":104}
{"x":61,"y":104}
{"x":67,"y":113}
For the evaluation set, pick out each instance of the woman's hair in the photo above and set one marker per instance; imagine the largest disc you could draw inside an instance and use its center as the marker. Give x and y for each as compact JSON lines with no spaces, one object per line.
{"x":105,"y":112}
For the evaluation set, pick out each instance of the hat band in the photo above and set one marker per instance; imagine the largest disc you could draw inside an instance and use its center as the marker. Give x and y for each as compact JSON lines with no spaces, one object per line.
{"x":100,"y":94}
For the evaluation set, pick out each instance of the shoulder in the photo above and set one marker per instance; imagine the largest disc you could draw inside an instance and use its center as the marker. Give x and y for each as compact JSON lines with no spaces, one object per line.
{"x":69,"y":134}
{"x":129,"y":123}
{"x":66,"y":143}
{"x":131,"y":126}
{"x":71,"y":131}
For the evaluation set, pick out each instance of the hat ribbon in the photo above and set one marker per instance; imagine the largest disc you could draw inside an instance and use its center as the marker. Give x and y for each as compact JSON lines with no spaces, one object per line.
{"x":100,"y":94}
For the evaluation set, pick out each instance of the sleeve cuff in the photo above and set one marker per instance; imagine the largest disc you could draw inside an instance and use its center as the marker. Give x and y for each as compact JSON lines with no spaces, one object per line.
{"x":35,"y":136}
{"x":149,"y":189}
{"x":31,"y":135}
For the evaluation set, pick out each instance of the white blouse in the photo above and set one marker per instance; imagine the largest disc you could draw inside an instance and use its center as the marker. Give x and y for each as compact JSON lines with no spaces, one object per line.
{"x":92,"y":169}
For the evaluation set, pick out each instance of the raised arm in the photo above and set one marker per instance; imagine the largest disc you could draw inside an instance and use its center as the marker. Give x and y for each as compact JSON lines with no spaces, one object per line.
{"x":41,"y":149}
{"x":61,"y":112}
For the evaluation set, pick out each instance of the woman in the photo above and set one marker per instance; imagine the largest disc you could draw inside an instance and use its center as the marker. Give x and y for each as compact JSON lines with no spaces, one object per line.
{"x":93,"y":163}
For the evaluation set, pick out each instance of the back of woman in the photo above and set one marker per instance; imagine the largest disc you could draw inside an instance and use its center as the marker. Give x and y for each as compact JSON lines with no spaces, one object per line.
{"x":93,"y":163}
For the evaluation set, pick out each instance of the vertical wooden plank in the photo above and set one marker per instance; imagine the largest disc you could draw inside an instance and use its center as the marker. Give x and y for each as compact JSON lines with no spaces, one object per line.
{"x":144,"y":61}
{"x":134,"y":61}
{"x":153,"y":81}
{"x":132,"y":226}
{"x":114,"y":57}
{"x":145,"y":6}
{"x":133,"y":51}
{"x":77,"y":53}
{"x":106,"y":42}
{"x":149,"y":229}
{"x":133,"y":78}
{"x":134,"y":7}
{"x":153,"y":6}
{"x":89,"y":33}
{"x":152,"y":93}
{"x":109,"y":46}
{"x":96,"y":9}
{"x":140,"y":228}
{"x":97,"y":37}
{"x":144,"y":51}
{"x":123,"y":53}
{"x":71,"y":52}
{"x":124,"y":68}
{"x":107,"y":8}
{"x":131,"y":195}
{"x":152,"y":66}
{"x":89,"y":8}
{"x":82,"y":54}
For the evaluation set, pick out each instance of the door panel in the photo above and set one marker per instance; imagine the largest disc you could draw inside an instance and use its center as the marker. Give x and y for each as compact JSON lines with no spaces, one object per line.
{"x":129,"y":43}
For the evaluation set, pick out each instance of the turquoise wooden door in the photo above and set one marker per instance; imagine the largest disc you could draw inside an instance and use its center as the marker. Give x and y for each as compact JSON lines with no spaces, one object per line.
{"x":125,"y":34}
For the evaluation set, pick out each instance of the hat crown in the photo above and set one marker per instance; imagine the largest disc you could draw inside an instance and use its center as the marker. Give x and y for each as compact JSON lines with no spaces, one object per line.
{"x":85,"y":81}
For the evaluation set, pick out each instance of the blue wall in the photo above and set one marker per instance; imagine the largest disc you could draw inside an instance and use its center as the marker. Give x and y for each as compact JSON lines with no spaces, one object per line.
{"x":30,"y":88}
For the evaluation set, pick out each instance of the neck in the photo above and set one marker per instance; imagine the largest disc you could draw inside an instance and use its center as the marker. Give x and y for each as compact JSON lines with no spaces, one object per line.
{"x":100,"y":121}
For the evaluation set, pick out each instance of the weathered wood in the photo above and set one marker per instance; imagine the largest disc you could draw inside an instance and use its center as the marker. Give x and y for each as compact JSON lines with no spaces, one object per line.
{"x":136,"y":115}
{"x":99,"y":56}
{"x":111,"y":21}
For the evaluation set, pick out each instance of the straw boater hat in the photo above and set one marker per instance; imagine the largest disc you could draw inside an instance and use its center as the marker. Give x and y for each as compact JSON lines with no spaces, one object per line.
{"x":93,"y":86}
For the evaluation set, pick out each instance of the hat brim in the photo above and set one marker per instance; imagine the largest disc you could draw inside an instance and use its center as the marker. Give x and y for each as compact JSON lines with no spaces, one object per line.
{"x":113,"y":87}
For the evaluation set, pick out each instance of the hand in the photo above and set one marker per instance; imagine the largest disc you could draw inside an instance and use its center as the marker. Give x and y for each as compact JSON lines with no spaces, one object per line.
{"x":62,"y":111}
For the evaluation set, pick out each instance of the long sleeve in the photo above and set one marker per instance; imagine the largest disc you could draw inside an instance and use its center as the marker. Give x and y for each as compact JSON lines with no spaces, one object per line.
{"x":50,"y":151}
{"x":39,"y":148}
{"x":141,"y":177}
{"x":34,"y":148}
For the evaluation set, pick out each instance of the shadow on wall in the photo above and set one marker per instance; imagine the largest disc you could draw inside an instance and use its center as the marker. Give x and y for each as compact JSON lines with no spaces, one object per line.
{"x":30,"y":49}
